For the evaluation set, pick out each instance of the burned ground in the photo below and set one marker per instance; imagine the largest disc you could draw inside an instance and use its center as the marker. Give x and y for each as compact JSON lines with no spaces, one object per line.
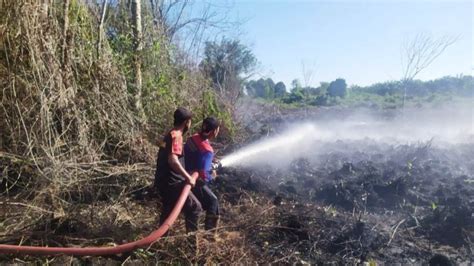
{"x":363,"y":200}
{"x":396,"y":204}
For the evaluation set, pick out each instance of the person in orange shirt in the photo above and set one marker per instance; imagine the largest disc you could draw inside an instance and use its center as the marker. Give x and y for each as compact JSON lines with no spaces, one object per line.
{"x":171,"y":176}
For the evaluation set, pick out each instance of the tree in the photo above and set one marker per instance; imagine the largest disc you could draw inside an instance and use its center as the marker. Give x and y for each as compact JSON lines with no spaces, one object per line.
{"x":66,"y":45}
{"x":138,"y":46}
{"x":256,"y":88}
{"x":269,"y":89}
{"x":322,"y":89}
{"x":337,"y":88}
{"x":308,"y":91}
{"x":228,"y":64}
{"x":280,"y":89}
{"x":295,"y":84}
{"x":100,"y":27}
{"x":307,"y":74}
{"x":270,"y":83}
{"x":419,"y":54}
{"x":262,"y":88}
{"x":191,"y":23}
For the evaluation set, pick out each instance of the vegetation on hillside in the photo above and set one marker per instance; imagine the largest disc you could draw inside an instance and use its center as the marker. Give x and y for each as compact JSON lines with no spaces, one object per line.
{"x":88,"y":89}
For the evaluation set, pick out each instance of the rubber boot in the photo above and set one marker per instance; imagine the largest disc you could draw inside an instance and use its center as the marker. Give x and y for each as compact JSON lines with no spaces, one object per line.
{"x":191,"y":224}
{"x":210,"y":224}
{"x":211,"y":221}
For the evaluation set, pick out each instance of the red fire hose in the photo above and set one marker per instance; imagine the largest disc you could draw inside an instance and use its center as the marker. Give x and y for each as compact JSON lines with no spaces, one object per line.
{"x":101,"y":251}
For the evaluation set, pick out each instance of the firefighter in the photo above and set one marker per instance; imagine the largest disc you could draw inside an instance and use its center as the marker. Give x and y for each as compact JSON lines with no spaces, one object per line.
{"x":171,"y":176}
{"x":199,"y":156}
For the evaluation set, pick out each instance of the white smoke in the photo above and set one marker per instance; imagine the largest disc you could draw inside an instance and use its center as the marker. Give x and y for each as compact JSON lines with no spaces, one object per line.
{"x":443,"y":126}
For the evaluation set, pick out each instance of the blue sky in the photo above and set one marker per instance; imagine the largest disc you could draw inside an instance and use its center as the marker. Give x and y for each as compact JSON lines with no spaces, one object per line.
{"x":357,"y":40}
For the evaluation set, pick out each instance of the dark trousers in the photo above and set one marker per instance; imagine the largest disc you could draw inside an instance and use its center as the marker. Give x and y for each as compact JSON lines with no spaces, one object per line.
{"x":191,"y":209}
{"x":209,"y":203}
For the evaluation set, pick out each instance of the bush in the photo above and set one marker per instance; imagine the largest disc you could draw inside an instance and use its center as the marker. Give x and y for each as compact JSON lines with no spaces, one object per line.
{"x":295,"y":96}
{"x":67,"y":112}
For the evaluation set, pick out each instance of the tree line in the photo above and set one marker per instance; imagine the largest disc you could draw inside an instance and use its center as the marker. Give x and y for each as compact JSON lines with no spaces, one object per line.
{"x":330,"y":93}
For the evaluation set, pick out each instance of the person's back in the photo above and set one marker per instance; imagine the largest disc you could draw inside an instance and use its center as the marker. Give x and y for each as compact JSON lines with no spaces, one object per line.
{"x":172,"y":144}
{"x":170,"y":175}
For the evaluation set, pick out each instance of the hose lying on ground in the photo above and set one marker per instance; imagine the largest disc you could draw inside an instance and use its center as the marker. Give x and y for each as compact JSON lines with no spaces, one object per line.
{"x":101,"y":251}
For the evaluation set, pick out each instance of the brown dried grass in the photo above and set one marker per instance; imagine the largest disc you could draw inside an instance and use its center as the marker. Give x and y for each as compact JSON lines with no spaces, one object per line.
{"x":67,"y":126}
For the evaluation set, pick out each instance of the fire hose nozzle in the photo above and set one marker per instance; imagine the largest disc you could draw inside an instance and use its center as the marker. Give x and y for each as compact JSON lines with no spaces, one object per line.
{"x":217,"y":166}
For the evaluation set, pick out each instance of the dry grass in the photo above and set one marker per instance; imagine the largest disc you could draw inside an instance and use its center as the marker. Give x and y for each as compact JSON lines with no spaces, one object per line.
{"x":110,"y":223}
{"x":68,"y":133}
{"x":72,"y":152}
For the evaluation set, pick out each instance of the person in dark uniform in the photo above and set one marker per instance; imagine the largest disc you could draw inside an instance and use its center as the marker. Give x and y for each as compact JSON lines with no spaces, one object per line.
{"x":199,"y":156}
{"x":171,"y":176}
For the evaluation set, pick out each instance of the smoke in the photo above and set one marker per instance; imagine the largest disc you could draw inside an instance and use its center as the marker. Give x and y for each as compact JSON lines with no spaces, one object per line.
{"x":310,"y":136}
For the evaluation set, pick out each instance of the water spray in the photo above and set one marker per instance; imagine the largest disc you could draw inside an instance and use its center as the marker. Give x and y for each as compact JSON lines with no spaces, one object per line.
{"x":295,"y":137}
{"x":309,"y":137}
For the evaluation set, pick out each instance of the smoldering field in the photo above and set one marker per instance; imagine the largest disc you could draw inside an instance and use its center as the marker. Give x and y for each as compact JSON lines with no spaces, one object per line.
{"x":319,"y":134}
{"x":391,"y":186}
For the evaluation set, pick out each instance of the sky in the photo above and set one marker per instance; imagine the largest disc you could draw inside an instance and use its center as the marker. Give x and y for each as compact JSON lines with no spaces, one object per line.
{"x":360,"y":41}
